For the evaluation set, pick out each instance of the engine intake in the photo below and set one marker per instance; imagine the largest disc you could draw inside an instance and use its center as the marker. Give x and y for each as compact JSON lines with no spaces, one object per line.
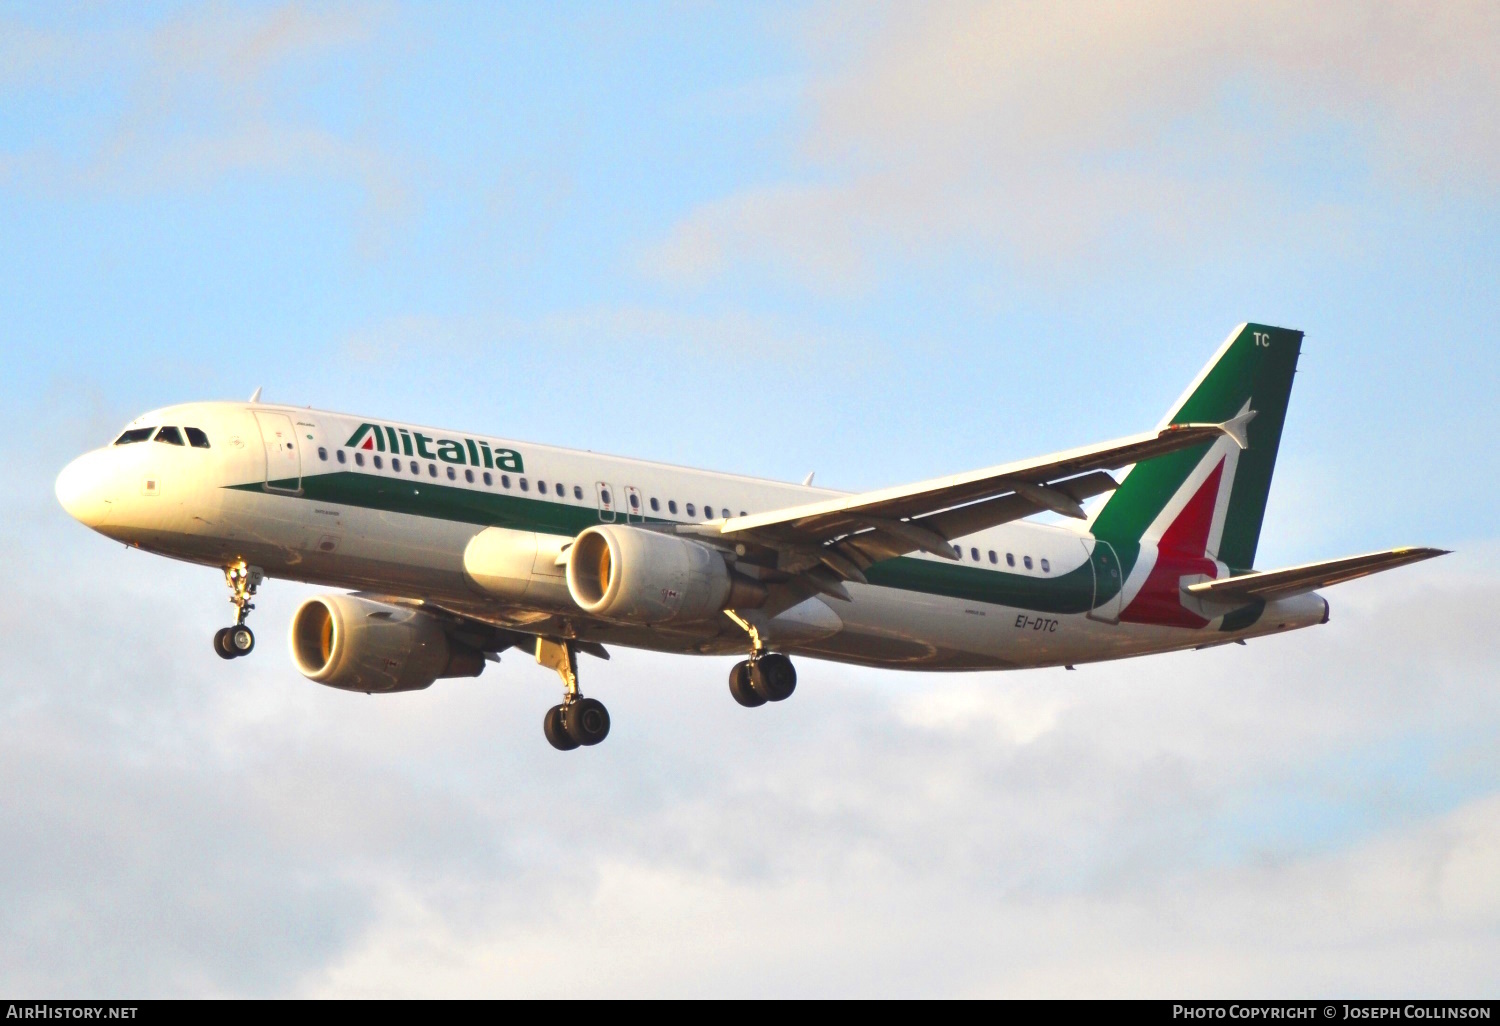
{"x":357,"y":644}
{"x":646,"y":577}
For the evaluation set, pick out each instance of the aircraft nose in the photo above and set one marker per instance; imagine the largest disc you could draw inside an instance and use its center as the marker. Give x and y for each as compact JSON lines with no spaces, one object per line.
{"x":82,"y":490}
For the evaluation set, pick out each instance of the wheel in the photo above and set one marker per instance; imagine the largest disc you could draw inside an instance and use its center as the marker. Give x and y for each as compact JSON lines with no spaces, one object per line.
{"x":773,"y":677}
{"x":587,"y":721}
{"x":740,"y":687}
{"x":557,"y":733}
{"x":240,"y":640}
{"x":221,"y":643}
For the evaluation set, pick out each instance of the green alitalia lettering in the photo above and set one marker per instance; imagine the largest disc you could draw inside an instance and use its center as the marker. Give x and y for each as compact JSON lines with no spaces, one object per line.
{"x":464,"y":452}
{"x":367,"y":436}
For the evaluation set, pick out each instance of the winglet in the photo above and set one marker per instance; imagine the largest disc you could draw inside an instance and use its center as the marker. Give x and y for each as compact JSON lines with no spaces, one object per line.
{"x":1238,"y":428}
{"x":255,"y":396}
{"x":1234,"y":427}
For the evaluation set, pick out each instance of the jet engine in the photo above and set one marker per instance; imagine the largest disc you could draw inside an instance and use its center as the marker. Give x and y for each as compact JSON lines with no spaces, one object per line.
{"x":357,"y":644}
{"x":633,"y":575}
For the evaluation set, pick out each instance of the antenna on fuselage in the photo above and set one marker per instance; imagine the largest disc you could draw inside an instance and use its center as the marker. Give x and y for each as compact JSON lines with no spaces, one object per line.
{"x":255,"y":396}
{"x":808,"y":479}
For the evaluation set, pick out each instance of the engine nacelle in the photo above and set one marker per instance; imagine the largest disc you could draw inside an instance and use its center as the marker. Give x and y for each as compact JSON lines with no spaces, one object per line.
{"x":518,"y":566}
{"x":634,"y":575}
{"x":360,"y":645}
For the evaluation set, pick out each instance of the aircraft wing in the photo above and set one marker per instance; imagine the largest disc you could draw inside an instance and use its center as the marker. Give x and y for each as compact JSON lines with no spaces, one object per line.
{"x":836,"y":539}
{"x":1295,"y":580}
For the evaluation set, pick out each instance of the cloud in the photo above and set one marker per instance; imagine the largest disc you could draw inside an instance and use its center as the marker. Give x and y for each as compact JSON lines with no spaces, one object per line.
{"x":1040,"y":136}
{"x":204,"y":94}
{"x":1313,"y":813}
{"x":632,"y":333}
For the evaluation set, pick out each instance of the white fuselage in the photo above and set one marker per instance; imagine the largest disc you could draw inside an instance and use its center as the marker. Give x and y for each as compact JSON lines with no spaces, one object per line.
{"x":282,"y":489}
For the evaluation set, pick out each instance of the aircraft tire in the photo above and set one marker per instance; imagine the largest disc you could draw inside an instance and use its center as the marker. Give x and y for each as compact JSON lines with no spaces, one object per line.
{"x":773,"y":677}
{"x":557,"y":733}
{"x":221,"y":643}
{"x":741,"y":688}
{"x":240,"y":640}
{"x":587,"y":721}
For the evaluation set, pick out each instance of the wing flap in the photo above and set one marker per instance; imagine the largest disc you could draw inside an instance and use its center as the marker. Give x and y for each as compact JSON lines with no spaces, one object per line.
{"x":1272,"y":584}
{"x":878,"y":525}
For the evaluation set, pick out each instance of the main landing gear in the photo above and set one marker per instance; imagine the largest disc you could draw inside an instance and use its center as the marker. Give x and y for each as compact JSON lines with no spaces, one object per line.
{"x":578,"y":720}
{"x":239,"y":640}
{"x":765,"y":676}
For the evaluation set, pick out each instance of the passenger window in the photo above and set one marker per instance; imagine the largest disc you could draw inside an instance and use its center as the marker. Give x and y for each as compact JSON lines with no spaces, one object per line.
{"x":975,"y":554}
{"x":339,"y":454}
{"x":692,"y":510}
{"x":603,"y":495}
{"x":170,"y":435}
{"x":708,"y":511}
{"x":1027,"y":561}
{"x":958,"y":550}
{"x":416,"y":468}
{"x":671,"y":505}
{"x":469,"y":476}
{"x":322,"y":452}
{"x":135,"y":435}
{"x":541,"y":486}
{"x":359,"y":459}
{"x":655,"y":506}
{"x":635,"y":501}
{"x":396,"y":466}
{"x":488,"y":479}
{"x":504,"y":480}
{"x":378,"y":462}
{"x":526,"y":488}
{"x":994,"y":558}
{"x":452,"y":474}
{"x":1010,"y":559}
{"x":562,"y":493}
{"x":578,"y":493}
{"x":432,"y":470}
{"x":198,"y":440}
{"x":1046,"y":567}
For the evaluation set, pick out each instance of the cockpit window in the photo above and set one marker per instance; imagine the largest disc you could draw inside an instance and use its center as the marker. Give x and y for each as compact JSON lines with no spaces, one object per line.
{"x":196,"y":438}
{"x":170,"y":435}
{"x":134,"y":435}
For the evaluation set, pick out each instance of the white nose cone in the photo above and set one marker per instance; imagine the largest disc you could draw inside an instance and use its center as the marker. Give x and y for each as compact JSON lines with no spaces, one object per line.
{"x":82,"y":487}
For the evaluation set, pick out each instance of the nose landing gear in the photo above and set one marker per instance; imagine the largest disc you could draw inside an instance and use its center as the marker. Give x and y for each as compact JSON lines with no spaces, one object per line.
{"x":239,"y":640}
{"x":578,"y":720}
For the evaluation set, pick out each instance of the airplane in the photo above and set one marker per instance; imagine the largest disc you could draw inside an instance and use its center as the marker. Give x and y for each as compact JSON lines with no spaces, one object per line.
{"x":455,"y":547}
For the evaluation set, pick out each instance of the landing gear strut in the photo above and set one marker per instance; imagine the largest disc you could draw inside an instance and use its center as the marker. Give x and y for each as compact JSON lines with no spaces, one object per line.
{"x":578,"y":720}
{"x":239,"y":640}
{"x":765,"y":676}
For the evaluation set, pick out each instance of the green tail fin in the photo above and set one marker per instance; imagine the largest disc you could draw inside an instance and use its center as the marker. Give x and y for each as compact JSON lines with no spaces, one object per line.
{"x":1253,"y":370}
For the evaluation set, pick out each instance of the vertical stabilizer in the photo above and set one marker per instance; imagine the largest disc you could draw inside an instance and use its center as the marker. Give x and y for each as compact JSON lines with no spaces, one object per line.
{"x":1213,"y":498}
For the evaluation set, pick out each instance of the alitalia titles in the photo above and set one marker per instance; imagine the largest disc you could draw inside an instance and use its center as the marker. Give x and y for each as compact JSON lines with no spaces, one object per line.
{"x":465,"y":451}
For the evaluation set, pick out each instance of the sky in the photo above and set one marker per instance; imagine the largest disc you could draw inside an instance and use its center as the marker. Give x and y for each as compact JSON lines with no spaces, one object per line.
{"x":881,"y":242}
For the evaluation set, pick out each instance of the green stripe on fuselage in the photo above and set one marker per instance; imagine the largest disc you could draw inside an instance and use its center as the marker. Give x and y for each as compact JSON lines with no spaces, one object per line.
{"x":1072,"y":592}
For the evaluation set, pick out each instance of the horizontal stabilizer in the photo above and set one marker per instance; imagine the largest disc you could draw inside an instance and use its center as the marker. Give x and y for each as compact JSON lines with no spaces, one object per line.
{"x":1295,"y":580}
